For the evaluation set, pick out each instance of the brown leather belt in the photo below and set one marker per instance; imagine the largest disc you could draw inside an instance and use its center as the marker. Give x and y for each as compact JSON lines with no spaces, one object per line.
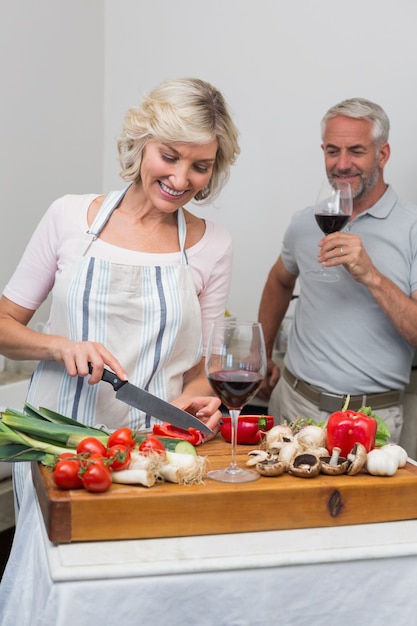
{"x":332,"y":402}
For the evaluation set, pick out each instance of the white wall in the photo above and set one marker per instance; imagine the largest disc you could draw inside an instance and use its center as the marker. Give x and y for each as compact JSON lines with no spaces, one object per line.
{"x":51,"y":111}
{"x":281,"y":65}
{"x":69,"y":71}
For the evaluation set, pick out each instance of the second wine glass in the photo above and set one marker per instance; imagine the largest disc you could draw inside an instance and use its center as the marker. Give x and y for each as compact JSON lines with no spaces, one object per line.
{"x":332,"y":212}
{"x":235,"y":367}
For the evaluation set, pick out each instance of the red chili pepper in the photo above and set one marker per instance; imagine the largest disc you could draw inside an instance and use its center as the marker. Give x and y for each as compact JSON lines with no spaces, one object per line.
{"x":192,"y":435}
{"x":250,"y":428}
{"x":345,"y":428}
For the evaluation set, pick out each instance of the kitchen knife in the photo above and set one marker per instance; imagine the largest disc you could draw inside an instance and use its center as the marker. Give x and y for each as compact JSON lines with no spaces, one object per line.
{"x":152,"y":405}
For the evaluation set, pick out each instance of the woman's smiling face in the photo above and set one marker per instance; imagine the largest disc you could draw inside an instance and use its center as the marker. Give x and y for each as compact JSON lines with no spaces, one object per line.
{"x":172,"y":173}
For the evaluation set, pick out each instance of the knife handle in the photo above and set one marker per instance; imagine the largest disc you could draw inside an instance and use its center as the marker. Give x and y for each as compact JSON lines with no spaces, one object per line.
{"x":110,"y":377}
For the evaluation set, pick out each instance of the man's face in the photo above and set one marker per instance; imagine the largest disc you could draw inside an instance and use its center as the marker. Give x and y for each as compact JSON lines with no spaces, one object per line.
{"x":351,"y":155}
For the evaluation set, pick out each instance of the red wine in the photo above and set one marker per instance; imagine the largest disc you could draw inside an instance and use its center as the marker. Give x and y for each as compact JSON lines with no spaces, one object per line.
{"x":235,"y":387}
{"x":331,"y":223}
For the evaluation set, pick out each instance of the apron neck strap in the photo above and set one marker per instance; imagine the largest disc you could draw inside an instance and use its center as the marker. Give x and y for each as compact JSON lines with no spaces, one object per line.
{"x":112,"y":201}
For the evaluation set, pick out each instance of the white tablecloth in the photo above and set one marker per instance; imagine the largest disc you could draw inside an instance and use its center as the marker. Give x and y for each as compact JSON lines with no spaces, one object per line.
{"x":364,"y":574}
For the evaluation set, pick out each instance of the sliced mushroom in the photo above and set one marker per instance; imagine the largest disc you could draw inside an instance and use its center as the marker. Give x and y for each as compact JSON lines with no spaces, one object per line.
{"x":257,"y":456}
{"x":305,"y":466}
{"x":270,"y":467}
{"x":275,"y":447}
{"x":357,"y":459}
{"x":335,"y":464}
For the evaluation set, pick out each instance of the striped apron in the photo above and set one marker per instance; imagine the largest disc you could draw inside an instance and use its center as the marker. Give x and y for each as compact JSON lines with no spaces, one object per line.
{"x":148,"y":316}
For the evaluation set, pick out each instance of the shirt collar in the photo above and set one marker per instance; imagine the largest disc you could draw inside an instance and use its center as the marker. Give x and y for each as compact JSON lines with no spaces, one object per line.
{"x":384,"y":206}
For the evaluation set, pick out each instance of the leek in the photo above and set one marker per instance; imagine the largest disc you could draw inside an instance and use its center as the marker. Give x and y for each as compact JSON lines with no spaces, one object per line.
{"x":41,"y":435}
{"x":68,"y":435}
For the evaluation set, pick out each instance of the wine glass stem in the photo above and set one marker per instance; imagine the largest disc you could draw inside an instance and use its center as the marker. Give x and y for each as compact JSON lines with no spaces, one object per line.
{"x":234,"y":415}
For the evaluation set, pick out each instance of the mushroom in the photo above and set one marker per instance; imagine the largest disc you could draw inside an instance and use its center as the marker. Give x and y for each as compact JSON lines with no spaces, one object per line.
{"x":357,"y":459}
{"x":335,"y":464}
{"x":257,"y":456}
{"x":288,"y":452}
{"x":270,"y":467}
{"x":275,"y":447}
{"x":305,"y":466}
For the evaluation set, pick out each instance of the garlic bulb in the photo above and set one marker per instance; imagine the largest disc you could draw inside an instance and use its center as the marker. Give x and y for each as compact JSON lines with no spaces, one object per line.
{"x":380,"y":463}
{"x":397,"y":451}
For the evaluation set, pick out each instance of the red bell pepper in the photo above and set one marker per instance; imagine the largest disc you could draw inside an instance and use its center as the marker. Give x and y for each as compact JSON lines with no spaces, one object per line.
{"x":250,"y":428}
{"x":192,"y":435}
{"x":345,"y":428}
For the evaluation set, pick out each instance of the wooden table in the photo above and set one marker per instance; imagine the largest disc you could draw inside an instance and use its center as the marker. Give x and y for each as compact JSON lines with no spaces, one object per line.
{"x":170,"y":510}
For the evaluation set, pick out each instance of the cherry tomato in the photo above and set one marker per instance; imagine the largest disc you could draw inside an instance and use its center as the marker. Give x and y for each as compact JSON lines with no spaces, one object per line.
{"x":91,"y":445}
{"x":66,"y":474}
{"x":67,"y":455}
{"x":85,"y":459}
{"x":123,"y":436}
{"x":152,"y":444}
{"x":97,"y":476}
{"x":119,"y":456}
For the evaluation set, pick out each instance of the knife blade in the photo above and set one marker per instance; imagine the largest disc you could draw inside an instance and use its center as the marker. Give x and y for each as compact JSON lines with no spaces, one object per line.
{"x":152,"y":405}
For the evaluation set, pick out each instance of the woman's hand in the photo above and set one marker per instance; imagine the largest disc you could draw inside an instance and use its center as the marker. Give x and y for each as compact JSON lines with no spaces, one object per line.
{"x":19,"y":342}
{"x":205,"y":408}
{"x":76,"y":356}
{"x":197,"y":398}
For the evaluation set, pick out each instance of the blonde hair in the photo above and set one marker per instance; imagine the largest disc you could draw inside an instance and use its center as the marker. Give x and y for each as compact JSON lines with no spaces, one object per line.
{"x":186,"y":110}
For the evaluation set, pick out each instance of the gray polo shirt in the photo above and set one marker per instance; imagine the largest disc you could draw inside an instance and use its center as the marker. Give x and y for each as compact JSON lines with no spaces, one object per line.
{"x":340,"y":340}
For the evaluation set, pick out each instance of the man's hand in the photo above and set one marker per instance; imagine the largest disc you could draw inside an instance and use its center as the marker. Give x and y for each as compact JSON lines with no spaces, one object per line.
{"x":271,"y":378}
{"x":347,"y":250}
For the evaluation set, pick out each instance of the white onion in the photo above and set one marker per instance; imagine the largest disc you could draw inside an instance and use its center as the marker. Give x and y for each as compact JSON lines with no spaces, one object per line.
{"x":312,"y":436}
{"x":280,"y":432}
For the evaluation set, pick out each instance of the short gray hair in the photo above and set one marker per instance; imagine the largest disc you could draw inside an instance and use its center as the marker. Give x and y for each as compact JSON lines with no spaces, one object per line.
{"x":360,"y":108}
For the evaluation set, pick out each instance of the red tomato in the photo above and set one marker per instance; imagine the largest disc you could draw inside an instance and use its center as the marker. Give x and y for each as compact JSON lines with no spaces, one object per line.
{"x":66,"y":474}
{"x":123,"y":436}
{"x":97,"y":476}
{"x":67,"y":455}
{"x":91,"y":445}
{"x":119,"y":456}
{"x":85,"y":459}
{"x":151,"y":444}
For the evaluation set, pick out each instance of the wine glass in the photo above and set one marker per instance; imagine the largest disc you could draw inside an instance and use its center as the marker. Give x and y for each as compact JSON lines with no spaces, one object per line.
{"x":235,"y":368}
{"x":332,"y":212}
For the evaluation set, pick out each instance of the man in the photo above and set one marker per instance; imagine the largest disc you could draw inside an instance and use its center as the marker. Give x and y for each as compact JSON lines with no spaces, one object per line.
{"x":355,"y":336}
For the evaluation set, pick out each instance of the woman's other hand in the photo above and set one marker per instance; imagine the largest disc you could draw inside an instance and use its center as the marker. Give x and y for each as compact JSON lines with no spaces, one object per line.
{"x":205,"y":408}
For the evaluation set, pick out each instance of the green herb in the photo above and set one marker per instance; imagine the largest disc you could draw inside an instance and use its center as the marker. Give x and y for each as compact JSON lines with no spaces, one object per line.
{"x":383,"y":433}
{"x":299,"y":423}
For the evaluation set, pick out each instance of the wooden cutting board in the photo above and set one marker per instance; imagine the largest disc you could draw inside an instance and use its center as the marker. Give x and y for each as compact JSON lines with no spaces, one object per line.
{"x":170,"y":510}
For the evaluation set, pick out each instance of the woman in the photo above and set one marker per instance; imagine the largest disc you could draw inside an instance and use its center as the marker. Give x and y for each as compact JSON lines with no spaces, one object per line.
{"x":136,"y":280}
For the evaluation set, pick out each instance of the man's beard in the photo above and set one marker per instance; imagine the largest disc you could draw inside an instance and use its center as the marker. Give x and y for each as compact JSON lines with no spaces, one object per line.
{"x":366,"y":182}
